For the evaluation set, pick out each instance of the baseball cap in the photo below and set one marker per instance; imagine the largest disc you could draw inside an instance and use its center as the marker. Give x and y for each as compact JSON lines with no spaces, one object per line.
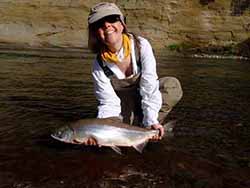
{"x":102,"y":10}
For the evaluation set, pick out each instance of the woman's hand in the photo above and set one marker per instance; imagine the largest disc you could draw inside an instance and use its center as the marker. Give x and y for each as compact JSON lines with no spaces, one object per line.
{"x":161,"y":131}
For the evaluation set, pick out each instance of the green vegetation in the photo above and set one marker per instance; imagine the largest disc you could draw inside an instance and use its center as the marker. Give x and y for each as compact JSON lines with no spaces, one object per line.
{"x":184,"y":46}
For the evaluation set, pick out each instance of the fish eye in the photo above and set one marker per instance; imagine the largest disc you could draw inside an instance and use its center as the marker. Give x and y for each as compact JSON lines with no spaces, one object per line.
{"x":59,"y":134}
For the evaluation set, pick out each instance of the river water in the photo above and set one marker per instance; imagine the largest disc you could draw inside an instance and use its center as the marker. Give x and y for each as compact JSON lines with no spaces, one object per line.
{"x":211,"y":146}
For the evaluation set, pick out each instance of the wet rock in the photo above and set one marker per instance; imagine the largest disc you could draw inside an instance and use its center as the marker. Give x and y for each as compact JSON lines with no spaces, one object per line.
{"x":206,"y":2}
{"x":244,"y":48}
{"x":239,"y":7}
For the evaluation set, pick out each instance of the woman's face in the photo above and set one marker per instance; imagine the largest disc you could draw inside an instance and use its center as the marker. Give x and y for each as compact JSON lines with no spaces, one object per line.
{"x":110,"y":30}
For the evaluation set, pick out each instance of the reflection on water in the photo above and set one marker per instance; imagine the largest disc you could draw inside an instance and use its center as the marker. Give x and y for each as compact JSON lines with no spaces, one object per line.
{"x":39,"y":94}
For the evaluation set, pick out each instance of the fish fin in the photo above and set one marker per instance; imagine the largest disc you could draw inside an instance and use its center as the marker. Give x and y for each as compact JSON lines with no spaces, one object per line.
{"x":169,"y":126}
{"x":84,"y":140}
{"x":116,"y":149}
{"x":77,"y":141}
{"x":139,"y":147}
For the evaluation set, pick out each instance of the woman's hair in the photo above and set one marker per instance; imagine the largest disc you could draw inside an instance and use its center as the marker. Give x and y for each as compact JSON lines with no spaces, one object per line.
{"x":94,"y":43}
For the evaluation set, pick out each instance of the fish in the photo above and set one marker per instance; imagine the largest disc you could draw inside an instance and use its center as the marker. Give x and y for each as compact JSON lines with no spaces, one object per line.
{"x":109,"y":133}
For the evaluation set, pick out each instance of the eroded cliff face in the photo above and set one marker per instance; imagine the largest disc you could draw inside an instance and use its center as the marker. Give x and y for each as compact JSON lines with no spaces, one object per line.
{"x":63,"y":23}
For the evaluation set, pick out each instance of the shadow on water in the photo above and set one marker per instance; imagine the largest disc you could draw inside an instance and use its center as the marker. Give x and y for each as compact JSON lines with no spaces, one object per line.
{"x":210,"y":147}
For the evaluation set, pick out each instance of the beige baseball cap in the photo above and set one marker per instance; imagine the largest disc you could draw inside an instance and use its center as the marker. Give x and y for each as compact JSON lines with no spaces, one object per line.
{"x":102,"y":10}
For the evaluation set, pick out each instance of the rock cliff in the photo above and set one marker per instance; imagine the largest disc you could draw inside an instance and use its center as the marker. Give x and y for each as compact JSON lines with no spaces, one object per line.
{"x":173,"y":23}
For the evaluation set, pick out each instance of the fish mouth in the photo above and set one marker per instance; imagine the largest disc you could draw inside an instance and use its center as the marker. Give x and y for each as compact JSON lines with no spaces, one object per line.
{"x":62,"y":135}
{"x":60,"y":139}
{"x":57,"y":138}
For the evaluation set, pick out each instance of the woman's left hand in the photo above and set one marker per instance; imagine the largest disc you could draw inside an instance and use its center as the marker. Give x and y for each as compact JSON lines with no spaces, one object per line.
{"x":161,"y":131}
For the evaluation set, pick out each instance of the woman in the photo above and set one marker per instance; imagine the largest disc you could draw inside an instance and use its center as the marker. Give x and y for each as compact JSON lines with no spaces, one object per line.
{"x":124,"y":72}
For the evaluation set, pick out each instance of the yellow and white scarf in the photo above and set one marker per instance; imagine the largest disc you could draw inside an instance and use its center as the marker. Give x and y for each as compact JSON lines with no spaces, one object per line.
{"x":111,"y":57}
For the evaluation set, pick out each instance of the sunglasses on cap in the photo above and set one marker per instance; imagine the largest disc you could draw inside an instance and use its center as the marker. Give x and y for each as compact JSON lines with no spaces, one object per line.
{"x":110,"y":19}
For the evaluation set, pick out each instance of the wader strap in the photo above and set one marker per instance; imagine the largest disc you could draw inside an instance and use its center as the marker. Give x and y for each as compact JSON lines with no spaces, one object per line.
{"x":137,"y":50}
{"x":105,"y":68}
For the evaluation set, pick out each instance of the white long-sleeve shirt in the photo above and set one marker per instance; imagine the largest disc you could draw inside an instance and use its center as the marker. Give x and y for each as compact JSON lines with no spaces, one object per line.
{"x":109,"y":102}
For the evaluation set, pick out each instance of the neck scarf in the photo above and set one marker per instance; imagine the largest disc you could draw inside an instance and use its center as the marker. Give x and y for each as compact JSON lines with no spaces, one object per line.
{"x":111,"y":57}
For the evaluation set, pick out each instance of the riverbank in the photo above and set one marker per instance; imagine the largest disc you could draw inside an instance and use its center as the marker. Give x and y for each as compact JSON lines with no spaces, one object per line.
{"x":84,"y":53}
{"x":48,"y":52}
{"x":63,"y":24}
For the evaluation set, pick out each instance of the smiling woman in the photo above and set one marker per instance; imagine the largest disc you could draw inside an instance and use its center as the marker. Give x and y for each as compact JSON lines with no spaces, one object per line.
{"x":124,"y":73}
{"x":100,"y":20}
{"x":110,"y":32}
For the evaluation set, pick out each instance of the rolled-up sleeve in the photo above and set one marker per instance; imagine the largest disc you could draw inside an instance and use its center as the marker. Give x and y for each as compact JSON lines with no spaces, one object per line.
{"x":109,"y":102}
{"x":149,"y":85}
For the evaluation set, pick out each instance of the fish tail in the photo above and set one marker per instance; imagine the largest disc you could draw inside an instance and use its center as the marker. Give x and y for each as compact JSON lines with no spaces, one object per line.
{"x":169,"y":126}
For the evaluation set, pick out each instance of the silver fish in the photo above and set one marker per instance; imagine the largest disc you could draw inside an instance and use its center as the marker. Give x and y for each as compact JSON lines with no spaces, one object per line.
{"x":108,"y":133}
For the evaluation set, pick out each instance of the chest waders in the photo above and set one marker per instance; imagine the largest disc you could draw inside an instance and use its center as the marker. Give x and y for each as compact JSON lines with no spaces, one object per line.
{"x":128,"y":91}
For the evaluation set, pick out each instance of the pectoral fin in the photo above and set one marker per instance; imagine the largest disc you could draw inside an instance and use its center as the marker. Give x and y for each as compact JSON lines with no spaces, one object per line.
{"x":139,"y":147}
{"x":78,"y":140}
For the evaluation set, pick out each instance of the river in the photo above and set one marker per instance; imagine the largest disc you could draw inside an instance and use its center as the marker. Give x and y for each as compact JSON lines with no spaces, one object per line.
{"x":211,"y":147}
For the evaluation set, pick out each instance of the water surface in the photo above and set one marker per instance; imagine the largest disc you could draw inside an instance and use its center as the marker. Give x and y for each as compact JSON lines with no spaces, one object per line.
{"x":211,"y":147}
